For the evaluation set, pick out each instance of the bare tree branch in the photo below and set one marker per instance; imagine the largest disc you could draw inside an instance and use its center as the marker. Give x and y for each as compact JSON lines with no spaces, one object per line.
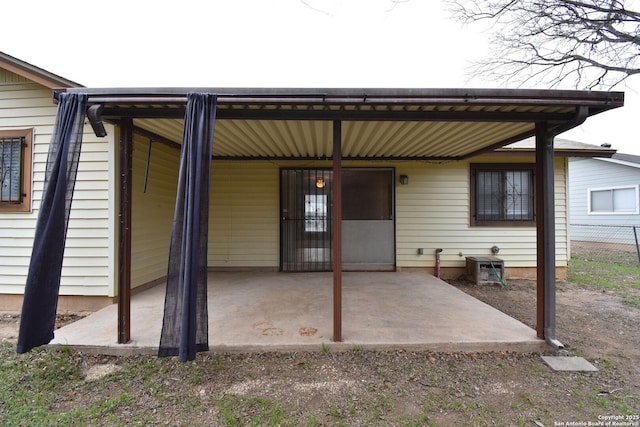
{"x":594,"y":43}
{"x":315,"y":9}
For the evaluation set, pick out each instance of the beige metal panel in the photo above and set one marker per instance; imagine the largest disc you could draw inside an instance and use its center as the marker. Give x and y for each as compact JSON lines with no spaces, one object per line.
{"x":242,"y":137}
{"x":285,"y":138}
{"x":272,"y":138}
{"x":169,"y":128}
{"x":360,"y":139}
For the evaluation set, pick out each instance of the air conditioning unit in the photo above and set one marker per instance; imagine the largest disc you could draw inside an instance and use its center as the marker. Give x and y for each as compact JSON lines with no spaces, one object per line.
{"x":485,"y":270}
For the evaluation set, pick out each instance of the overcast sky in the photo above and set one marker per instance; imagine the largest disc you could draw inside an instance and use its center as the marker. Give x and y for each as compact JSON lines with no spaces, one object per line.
{"x":267,"y":43}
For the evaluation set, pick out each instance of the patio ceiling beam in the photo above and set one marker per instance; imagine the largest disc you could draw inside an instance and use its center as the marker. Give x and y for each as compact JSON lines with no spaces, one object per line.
{"x":349,"y":158}
{"x":156,"y":138}
{"x":342,"y":114}
{"x":604,"y":100}
{"x":499,"y":144}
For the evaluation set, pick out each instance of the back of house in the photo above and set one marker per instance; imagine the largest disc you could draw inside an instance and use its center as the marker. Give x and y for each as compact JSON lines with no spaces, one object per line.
{"x":266,"y":213}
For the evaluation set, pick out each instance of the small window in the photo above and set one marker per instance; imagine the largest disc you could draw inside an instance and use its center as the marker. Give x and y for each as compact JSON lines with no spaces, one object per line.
{"x":620,"y":200}
{"x":15,"y":171}
{"x":502,"y":194}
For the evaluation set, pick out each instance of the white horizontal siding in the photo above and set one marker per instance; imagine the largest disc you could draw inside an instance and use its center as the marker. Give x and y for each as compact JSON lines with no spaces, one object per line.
{"x":88,"y":264}
{"x":592,"y":174}
{"x":152,"y":210}
{"x":433,"y":212}
{"x":243,"y":220}
{"x":586,"y":174}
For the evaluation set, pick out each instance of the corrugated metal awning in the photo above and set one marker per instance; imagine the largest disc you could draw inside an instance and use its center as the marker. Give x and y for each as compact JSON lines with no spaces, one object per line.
{"x":377,"y":123}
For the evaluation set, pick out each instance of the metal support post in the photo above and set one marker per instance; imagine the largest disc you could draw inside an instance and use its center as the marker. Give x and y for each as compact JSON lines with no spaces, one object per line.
{"x":124,"y":249}
{"x":337,"y":231}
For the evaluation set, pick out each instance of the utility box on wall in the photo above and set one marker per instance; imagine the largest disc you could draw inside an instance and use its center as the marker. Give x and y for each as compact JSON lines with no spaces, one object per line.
{"x":483,"y":270}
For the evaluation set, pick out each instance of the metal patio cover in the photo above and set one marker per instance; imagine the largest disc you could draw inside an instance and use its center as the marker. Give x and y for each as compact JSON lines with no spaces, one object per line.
{"x":342,"y":124}
{"x":430,"y":124}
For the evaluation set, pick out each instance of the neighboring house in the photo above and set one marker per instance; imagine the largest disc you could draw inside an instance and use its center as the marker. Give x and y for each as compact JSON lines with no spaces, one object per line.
{"x":406,"y":193}
{"x":604,"y":199}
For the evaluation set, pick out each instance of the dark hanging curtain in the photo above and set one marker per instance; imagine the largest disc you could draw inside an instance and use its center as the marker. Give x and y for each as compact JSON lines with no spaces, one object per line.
{"x":185,"y":324}
{"x":38,"y":317}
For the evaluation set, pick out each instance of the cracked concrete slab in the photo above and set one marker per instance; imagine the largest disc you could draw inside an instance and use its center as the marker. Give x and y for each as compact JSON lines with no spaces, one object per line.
{"x":258,"y":311}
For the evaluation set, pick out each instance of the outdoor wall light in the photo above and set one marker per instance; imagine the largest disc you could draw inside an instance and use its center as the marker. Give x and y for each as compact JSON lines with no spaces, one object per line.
{"x":404,"y":179}
{"x":320,"y":183}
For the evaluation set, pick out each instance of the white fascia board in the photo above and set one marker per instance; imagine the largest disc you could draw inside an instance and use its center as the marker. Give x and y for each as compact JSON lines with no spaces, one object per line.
{"x":619,"y":162}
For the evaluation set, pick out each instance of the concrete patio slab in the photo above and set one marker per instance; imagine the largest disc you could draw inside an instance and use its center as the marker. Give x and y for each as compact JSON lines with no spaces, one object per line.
{"x":251,"y":311}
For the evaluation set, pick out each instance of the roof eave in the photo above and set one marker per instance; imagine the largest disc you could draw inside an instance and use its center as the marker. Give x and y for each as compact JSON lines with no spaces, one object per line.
{"x":557,"y":152}
{"x":597,"y":101}
{"x":35,"y":74}
{"x":618,"y":162}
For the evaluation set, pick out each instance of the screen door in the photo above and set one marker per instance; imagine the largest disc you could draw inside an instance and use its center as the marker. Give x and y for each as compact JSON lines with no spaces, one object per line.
{"x":368,"y":231}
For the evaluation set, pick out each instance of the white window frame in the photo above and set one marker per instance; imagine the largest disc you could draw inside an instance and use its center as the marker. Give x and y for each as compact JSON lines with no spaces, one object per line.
{"x":635,"y":188}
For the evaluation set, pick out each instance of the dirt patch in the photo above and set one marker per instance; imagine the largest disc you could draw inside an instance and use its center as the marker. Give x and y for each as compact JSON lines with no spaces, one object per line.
{"x":399,"y":387}
{"x":10,"y":324}
{"x":596,"y":322}
{"x":97,"y":371}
